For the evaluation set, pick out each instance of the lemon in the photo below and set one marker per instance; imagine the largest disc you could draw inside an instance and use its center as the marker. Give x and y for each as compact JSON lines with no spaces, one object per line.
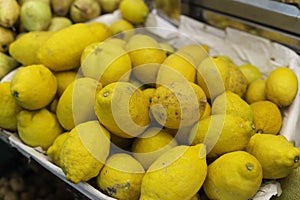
{"x":151,"y":144}
{"x":53,"y":105}
{"x":76,"y":104}
{"x":63,"y":48}
{"x":135,"y":11}
{"x":120,"y":26}
{"x":237,"y":82}
{"x":107,"y":63}
{"x":121,"y":177}
{"x":84,"y":151}
{"x":221,"y":134}
{"x":177,"y":174}
{"x":33,"y":86}
{"x":100,"y":30}
{"x":198,"y":52}
{"x":207,"y":111}
{"x":282,"y":86}
{"x":256,"y":91}
{"x":149,"y":92}
{"x":275,"y":153}
{"x":38,"y":128}
{"x":233,"y":104}
{"x":64,"y":78}
{"x":251,"y":72}
{"x":266,"y":117}
{"x":54,"y":150}
{"x":24,"y":48}
{"x":143,"y":50}
{"x":117,"y":41}
{"x":178,"y":104}
{"x":233,"y":176}
{"x":9,"y":108}
{"x":87,"y":50}
{"x":123,"y":109}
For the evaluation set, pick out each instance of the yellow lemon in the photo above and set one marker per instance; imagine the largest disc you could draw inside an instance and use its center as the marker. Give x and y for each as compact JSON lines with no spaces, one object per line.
{"x":177,"y":174}
{"x":149,"y":92}
{"x":63,"y":48}
{"x":198,"y":52}
{"x":33,"y":86}
{"x":76,"y":104}
{"x":38,"y":128}
{"x":250,"y":71}
{"x":135,"y":11}
{"x":266,"y":117}
{"x":207,"y":111}
{"x":107,"y":63}
{"x":100,"y":30}
{"x":178,"y":104}
{"x":256,"y":91}
{"x":64,"y":78}
{"x":84,"y":151}
{"x":120,"y":26}
{"x":123,"y":109}
{"x":54,"y":150}
{"x":277,"y":156}
{"x":221,"y":134}
{"x":233,"y":104}
{"x":236,"y":175}
{"x":121,"y":177}
{"x":24,"y":49}
{"x":9,"y":108}
{"x":151,"y":144}
{"x":282,"y":86}
{"x":237,"y":81}
{"x":117,"y":41}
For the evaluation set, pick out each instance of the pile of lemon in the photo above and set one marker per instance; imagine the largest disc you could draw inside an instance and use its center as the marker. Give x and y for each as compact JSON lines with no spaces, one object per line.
{"x":146,"y":120}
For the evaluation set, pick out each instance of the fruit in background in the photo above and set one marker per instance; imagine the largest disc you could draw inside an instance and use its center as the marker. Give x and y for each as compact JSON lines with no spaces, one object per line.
{"x":121,"y":177}
{"x":108,"y":6}
{"x":122,"y":26}
{"x":9,"y":12}
{"x":177,"y":174}
{"x":115,"y":63}
{"x":54,"y":150}
{"x":9,"y":108}
{"x":58,"y":23}
{"x":250,"y":71}
{"x":35,"y":15}
{"x":6,"y":38}
{"x":64,"y":79}
{"x":151,"y":144}
{"x":24,"y":48}
{"x":233,"y":104}
{"x":221,"y":134}
{"x":236,"y":175}
{"x":62,"y":50}
{"x":33,"y":87}
{"x":237,"y":82}
{"x":84,"y":151}
{"x":282,"y":86}
{"x":100,"y":30}
{"x":256,"y":91}
{"x":7,"y":64}
{"x":117,"y":41}
{"x":135,"y":11}
{"x":277,"y":156}
{"x":178,"y":104}
{"x":23,"y":1}
{"x":38,"y":128}
{"x":61,"y":7}
{"x":198,"y":52}
{"x":84,"y":10}
{"x":76,"y":104}
{"x":123,"y":109}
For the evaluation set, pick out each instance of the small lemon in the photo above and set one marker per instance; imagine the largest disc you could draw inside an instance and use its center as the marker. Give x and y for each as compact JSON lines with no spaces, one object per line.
{"x":33,"y":86}
{"x":84,"y":151}
{"x":207,"y":111}
{"x":100,"y":30}
{"x":237,"y":81}
{"x":121,"y":177}
{"x":54,"y":150}
{"x":221,"y":133}
{"x":198,"y":52}
{"x":177,"y":174}
{"x":63,"y":79}
{"x":233,"y":104}
{"x":9,"y":108}
{"x":120,"y":26}
{"x":251,"y":72}
{"x":135,"y":11}
{"x":277,"y":156}
{"x":266,"y":117}
{"x":151,"y":144}
{"x":282,"y":86}
{"x":233,"y":176}
{"x":123,"y":109}
{"x":256,"y":91}
{"x":38,"y":128}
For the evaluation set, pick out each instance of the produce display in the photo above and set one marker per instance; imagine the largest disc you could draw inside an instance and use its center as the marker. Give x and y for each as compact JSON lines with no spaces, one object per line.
{"x":141,"y":117}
